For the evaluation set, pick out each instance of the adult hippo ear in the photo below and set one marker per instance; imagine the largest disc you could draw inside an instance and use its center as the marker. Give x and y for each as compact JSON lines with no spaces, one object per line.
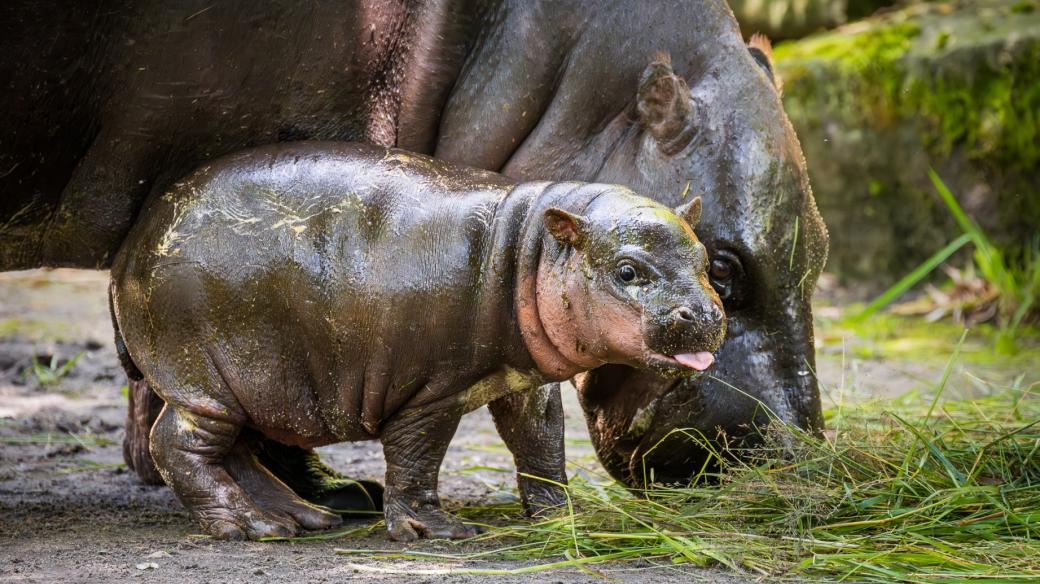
{"x":691,"y":212}
{"x":762,"y":51}
{"x":567,"y":228}
{"x":664,"y":105}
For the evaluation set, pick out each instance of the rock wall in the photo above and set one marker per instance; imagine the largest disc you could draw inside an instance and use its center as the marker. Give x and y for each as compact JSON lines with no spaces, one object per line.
{"x":791,"y":19}
{"x":953,"y":86}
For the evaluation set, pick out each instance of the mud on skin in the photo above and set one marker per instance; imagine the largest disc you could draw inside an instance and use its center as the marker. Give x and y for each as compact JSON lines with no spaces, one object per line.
{"x":324,"y":292}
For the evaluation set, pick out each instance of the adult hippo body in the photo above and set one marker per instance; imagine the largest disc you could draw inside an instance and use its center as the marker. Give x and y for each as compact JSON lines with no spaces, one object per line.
{"x":106,"y":103}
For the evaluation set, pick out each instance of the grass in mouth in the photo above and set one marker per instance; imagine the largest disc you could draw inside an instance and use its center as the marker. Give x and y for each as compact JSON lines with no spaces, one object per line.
{"x":895,"y":491}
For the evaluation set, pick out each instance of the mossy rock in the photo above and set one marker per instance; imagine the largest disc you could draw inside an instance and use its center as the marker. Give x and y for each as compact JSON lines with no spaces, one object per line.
{"x":953,"y":86}
{"x":791,"y":19}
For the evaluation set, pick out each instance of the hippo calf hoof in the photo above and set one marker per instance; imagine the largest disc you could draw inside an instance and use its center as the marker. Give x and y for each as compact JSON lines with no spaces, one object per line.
{"x":428,"y":521}
{"x":259,"y":524}
{"x":541,"y":499}
{"x":268,"y":521}
{"x":252,"y":525}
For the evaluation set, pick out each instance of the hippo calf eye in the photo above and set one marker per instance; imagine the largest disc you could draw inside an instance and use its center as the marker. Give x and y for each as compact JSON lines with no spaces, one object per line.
{"x":626,"y":273}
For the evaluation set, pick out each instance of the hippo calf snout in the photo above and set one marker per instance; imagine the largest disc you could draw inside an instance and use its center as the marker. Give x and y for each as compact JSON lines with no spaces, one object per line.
{"x":688,"y":333}
{"x":702,"y":316}
{"x":696,"y":326}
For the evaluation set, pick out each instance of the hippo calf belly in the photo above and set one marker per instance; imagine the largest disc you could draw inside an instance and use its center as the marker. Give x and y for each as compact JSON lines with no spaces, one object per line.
{"x":326,"y":292}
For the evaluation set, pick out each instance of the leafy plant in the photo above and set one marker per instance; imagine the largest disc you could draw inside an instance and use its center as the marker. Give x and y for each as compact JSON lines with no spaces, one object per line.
{"x":1016,"y":281}
{"x":53,"y":371}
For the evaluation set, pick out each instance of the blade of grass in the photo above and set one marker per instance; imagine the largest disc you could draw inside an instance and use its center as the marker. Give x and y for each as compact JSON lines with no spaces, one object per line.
{"x":910,"y":280}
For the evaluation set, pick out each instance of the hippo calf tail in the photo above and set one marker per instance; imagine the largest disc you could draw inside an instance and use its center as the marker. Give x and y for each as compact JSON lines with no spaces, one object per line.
{"x":132,"y":372}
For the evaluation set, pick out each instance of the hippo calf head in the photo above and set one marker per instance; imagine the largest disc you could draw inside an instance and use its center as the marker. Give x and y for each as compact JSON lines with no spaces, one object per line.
{"x":625,"y":281}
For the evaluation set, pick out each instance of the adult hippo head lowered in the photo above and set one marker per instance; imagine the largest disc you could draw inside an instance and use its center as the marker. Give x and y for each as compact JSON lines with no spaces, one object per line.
{"x":768,"y":244}
{"x":672,"y":115}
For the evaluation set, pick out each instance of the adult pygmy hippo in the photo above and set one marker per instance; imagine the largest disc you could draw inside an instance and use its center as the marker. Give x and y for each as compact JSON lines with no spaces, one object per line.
{"x":108,"y":103}
{"x":325,"y":292}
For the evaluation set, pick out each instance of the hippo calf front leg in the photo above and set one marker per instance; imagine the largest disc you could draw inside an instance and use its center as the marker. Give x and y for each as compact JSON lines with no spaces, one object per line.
{"x":414,"y":444}
{"x":531,"y":424}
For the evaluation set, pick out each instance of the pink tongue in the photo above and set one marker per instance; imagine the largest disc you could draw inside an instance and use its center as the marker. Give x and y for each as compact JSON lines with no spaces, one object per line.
{"x":699,"y":361}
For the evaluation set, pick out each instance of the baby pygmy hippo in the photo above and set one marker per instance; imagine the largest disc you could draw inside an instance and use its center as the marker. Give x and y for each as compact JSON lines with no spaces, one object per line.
{"x":316,"y":293}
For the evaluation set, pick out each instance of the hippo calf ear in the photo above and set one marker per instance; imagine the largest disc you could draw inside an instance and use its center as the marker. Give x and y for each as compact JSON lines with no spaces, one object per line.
{"x":664,"y":104}
{"x":567,"y":228}
{"x":762,"y":51}
{"x":691,"y":212}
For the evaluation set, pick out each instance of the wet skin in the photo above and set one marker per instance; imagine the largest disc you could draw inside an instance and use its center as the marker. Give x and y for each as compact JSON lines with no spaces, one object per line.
{"x":316,"y":293}
{"x":106,"y":104}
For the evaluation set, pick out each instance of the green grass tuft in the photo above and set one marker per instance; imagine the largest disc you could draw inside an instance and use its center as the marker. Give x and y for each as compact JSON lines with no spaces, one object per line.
{"x":51,"y":372}
{"x":1017,"y":280}
{"x":908,"y":493}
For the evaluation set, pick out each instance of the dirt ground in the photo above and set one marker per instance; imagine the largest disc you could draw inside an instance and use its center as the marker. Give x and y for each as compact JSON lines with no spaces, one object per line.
{"x":69,"y":510}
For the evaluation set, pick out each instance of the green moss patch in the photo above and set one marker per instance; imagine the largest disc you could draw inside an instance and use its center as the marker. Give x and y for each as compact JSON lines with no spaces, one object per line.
{"x":971,"y":71}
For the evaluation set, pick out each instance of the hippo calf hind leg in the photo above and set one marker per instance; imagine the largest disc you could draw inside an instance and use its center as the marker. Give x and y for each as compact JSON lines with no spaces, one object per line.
{"x":414,"y":444}
{"x":189,"y":451}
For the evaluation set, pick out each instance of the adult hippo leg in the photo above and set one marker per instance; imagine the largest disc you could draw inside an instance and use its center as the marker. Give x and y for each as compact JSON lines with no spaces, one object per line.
{"x":531,"y":424}
{"x":143,"y":409}
{"x":414,"y":444}
{"x":304,"y":472}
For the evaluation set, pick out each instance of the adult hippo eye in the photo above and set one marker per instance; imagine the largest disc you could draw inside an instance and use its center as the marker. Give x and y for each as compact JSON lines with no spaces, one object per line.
{"x":721,"y":270}
{"x":724,"y":273}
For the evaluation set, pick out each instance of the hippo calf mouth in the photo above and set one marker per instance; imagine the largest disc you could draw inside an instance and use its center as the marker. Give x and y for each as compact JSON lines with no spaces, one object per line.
{"x":680,"y":364}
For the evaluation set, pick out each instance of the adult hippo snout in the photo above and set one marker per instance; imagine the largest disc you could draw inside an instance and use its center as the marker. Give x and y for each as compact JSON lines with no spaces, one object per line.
{"x":762,"y":374}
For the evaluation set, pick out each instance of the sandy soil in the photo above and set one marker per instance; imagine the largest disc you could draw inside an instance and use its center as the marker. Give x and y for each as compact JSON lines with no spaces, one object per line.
{"x":69,"y":510}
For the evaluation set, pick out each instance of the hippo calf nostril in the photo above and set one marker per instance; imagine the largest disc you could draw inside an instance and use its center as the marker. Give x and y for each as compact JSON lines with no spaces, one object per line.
{"x":683,"y":314}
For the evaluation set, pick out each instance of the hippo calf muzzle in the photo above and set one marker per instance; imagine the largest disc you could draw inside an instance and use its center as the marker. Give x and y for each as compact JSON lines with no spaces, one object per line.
{"x":316,"y":293}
